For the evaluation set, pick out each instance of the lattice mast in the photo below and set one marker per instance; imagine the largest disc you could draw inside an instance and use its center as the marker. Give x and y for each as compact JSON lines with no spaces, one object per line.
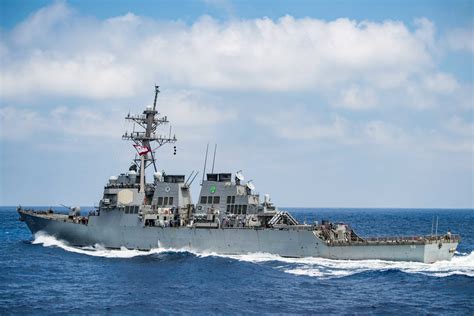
{"x":144,"y":140}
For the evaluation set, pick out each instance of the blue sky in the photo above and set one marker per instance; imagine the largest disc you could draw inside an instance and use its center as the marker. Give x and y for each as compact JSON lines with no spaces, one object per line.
{"x":321,"y":104}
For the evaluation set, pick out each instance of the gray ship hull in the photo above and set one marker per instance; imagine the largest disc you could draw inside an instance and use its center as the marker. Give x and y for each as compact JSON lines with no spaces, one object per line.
{"x":114,"y":230}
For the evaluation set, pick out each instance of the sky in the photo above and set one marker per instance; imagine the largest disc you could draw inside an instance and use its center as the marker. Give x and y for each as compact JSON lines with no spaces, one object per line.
{"x":320,"y":103}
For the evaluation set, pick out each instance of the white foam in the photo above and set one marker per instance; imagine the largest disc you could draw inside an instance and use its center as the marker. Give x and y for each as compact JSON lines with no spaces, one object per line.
{"x":461,"y":264}
{"x":328,"y":268}
{"x":95,"y":251}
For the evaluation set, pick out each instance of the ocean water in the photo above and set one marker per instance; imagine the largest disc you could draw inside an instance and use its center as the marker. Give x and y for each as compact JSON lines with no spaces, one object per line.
{"x":43,"y":275}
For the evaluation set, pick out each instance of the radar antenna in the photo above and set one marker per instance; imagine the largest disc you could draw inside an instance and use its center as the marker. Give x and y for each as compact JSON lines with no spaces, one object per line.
{"x":149,"y":122}
{"x":250,"y":185}
{"x":239,"y":175}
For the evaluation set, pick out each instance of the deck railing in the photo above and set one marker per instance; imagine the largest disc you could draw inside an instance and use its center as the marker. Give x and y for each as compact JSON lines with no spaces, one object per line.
{"x":403,"y":240}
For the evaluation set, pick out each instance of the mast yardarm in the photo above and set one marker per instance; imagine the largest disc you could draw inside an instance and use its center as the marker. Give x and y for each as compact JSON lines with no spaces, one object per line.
{"x":148,"y":138}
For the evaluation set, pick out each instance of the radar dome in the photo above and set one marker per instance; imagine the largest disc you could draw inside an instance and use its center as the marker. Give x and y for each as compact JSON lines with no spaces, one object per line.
{"x":149,"y":107}
{"x":157,"y":175}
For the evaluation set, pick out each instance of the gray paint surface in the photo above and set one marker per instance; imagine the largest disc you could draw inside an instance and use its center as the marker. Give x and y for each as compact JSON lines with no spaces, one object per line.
{"x":115,"y":230}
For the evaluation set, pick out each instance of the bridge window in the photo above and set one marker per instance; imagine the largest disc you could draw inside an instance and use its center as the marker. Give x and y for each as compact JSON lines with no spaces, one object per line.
{"x":203,"y":199}
{"x":136,"y":209}
{"x":217,"y":199}
{"x":171,"y":200}
{"x":233,"y":200}
{"x":228,"y":208}
{"x":244,"y":209}
{"x":229,"y":199}
{"x":160,"y":201}
{"x":240,"y":209}
{"x":209,"y":200}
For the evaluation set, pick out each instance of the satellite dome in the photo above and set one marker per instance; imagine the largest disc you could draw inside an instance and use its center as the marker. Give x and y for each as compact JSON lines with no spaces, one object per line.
{"x":157,"y":175}
{"x":113,"y":178}
{"x":149,"y":107}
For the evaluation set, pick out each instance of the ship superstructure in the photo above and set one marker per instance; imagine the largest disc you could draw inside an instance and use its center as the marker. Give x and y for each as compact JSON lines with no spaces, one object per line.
{"x":228,"y":217}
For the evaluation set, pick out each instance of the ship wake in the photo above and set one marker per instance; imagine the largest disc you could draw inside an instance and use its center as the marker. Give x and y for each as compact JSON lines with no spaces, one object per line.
{"x":461,"y":264}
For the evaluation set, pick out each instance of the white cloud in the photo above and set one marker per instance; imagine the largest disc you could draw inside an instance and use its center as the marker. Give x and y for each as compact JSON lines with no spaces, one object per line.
{"x":42,"y":24}
{"x":24,"y":123}
{"x":303,"y":125}
{"x":425,"y":31}
{"x":461,"y":39}
{"x":458,"y":126}
{"x":357,"y":98}
{"x":460,"y":146}
{"x":351,"y":65}
{"x":189,"y":112}
{"x":95,"y":76}
{"x":441,"y":83}
{"x":355,"y":65}
{"x":194,"y":109}
{"x":19,"y":124}
{"x":287,"y":54}
{"x":384,"y":133}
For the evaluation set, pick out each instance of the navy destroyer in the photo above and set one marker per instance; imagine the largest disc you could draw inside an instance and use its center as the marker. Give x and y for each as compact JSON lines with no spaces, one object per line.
{"x":228,"y":218}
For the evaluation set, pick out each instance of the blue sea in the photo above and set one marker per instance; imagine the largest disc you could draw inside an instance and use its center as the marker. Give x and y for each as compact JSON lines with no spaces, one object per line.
{"x":42,"y":275}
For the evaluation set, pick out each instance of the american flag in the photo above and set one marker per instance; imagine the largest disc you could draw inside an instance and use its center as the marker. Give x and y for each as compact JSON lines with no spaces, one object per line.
{"x":142,"y":150}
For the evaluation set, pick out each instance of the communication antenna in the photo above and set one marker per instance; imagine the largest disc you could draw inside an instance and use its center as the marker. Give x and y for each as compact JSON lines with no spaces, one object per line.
{"x":239,"y":175}
{"x":192,"y":180}
{"x":432,"y":226}
{"x":250,"y":185}
{"x":205,"y":163}
{"x":214,"y":159}
{"x":186,"y":183}
{"x":157,"y":90}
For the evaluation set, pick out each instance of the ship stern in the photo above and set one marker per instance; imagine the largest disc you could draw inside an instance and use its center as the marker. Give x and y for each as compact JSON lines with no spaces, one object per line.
{"x":440,"y":251}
